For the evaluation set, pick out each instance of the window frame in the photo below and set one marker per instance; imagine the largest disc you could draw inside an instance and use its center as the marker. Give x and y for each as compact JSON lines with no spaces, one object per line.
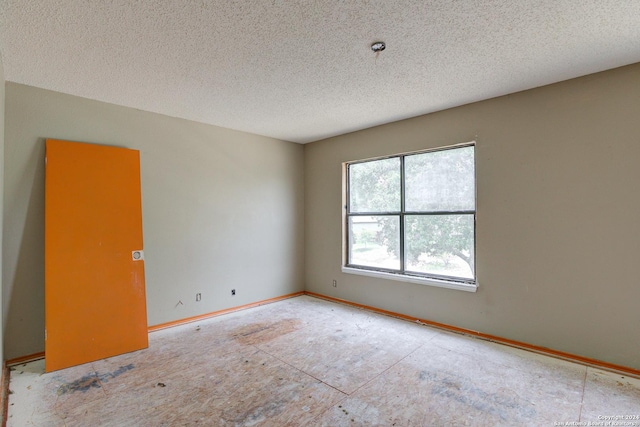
{"x":445,"y":281}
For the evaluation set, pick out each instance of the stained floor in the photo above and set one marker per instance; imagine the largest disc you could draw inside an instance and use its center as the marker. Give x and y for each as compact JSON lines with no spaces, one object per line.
{"x":309,"y":362}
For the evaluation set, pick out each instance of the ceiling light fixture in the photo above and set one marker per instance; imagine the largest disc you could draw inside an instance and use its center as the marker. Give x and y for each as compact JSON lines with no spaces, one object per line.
{"x":378,"y":47}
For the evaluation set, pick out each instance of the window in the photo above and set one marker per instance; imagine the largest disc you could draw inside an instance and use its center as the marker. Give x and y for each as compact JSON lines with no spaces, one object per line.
{"x":413,"y":215}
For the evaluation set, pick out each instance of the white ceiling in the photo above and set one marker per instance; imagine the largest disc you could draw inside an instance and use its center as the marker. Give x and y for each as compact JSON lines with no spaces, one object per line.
{"x":303,"y":70}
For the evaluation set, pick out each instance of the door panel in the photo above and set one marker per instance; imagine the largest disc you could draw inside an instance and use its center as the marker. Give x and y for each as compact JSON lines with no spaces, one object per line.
{"x":95,"y":305}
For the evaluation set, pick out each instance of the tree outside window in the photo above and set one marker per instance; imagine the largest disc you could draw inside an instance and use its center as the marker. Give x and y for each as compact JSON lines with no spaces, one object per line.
{"x":414,"y":214}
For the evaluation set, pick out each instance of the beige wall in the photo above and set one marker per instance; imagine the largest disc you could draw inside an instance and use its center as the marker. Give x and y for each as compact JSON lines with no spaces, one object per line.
{"x":221,"y":209}
{"x":558,"y":216}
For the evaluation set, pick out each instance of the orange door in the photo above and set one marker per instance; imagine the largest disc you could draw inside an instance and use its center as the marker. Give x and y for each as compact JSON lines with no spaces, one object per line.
{"x":95,"y":305}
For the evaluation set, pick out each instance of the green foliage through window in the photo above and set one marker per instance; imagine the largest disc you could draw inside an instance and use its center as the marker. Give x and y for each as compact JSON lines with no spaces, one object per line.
{"x":414,"y":214}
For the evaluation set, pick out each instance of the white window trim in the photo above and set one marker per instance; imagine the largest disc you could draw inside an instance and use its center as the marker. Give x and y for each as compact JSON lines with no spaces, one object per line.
{"x":468,"y":287}
{"x":400,"y":277}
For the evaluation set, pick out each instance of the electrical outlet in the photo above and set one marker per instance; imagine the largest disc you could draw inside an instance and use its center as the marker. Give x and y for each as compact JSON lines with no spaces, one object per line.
{"x":233,"y":292}
{"x":198,"y":297}
{"x":335,"y":283}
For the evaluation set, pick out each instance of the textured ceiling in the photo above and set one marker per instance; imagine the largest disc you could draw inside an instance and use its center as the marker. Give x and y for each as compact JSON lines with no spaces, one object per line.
{"x":303,"y":70}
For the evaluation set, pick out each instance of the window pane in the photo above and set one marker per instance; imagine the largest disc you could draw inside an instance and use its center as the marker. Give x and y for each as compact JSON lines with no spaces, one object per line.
{"x":440,"y":244}
{"x":375,"y":186}
{"x":374,"y":241}
{"x":440,"y":181}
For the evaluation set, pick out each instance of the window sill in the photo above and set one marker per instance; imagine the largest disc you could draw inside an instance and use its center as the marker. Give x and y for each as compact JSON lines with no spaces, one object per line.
{"x":413,"y":279}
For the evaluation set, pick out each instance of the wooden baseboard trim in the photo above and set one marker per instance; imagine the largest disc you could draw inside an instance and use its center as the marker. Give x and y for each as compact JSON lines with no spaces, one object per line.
{"x":25,"y":359}
{"x":487,"y":337}
{"x":221,"y":312}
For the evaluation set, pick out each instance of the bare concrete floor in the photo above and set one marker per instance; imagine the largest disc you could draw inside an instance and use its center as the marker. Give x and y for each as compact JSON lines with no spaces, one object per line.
{"x":309,"y":362}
